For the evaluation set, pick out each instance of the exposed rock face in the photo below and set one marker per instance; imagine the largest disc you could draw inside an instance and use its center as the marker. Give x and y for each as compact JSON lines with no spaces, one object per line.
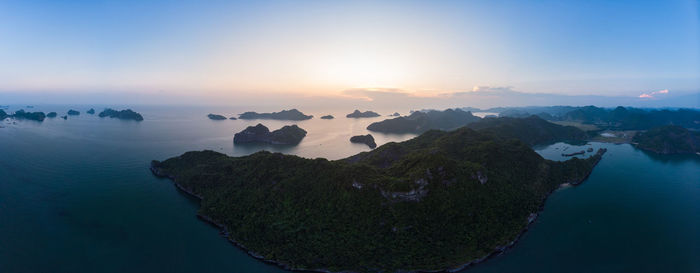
{"x":366,"y":139}
{"x":327,"y":117}
{"x":72,"y":112}
{"x":287,"y":135}
{"x":481,"y":177}
{"x":358,"y":114}
{"x":216,"y":117}
{"x":127,"y":114}
{"x":91,"y":111}
{"x":292,"y":114}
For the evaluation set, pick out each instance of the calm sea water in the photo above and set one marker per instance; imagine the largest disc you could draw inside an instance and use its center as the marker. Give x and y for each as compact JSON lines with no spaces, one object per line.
{"x":76,"y":195}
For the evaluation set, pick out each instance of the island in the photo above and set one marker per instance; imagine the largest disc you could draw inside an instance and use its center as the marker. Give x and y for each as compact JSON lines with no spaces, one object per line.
{"x":532,"y":130}
{"x":287,"y":135}
{"x":127,"y":114}
{"x":232,"y":118}
{"x":358,"y":114}
{"x":669,"y":139}
{"x":395,"y":114}
{"x":51,"y":115}
{"x":366,"y":139}
{"x":216,"y":117}
{"x":91,"y":111}
{"x":440,"y":201}
{"x":72,"y":112}
{"x":292,"y":114}
{"x":419,"y":122}
{"x":36,"y":116}
{"x":327,"y":117}
{"x":64,"y":117}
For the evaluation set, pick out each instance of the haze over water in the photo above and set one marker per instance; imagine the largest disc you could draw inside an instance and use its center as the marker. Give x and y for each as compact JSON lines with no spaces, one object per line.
{"x":77,"y":196}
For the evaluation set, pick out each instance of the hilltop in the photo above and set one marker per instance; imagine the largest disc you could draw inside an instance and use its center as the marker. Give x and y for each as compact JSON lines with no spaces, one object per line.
{"x":440,"y":201}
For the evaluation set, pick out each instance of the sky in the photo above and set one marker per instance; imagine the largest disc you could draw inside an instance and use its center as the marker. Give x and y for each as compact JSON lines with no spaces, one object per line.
{"x":443,"y":52}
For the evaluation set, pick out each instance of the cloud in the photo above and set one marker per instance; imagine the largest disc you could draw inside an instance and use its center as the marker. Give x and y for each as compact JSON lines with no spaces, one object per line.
{"x":371,"y":94}
{"x":652,"y":94}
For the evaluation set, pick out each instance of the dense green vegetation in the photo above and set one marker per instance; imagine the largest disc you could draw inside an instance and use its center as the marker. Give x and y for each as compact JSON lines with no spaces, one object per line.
{"x":434,"y":202}
{"x":358,"y":114}
{"x":37,"y":116}
{"x":365,"y":139}
{"x":292,"y":114}
{"x":619,"y":118}
{"x":419,"y":122}
{"x":669,"y":139}
{"x":531,"y":130}
{"x":216,"y":117}
{"x":123,"y":114}
{"x":287,"y":135}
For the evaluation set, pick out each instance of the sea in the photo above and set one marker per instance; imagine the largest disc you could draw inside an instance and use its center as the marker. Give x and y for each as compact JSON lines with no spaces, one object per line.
{"x":76,"y":195}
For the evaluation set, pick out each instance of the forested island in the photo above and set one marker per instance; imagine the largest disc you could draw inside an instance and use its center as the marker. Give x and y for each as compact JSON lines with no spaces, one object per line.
{"x":440,"y":201}
{"x":364,"y":139}
{"x":292,"y":114}
{"x":327,"y":117}
{"x":127,"y":114}
{"x":358,"y":114}
{"x":287,"y":135}
{"x":72,"y":112}
{"x":51,"y":115}
{"x":91,"y":111}
{"x":216,"y":117}
{"x":531,"y":130}
{"x":36,"y":116}
{"x":669,"y":139}
{"x":420,"y":121}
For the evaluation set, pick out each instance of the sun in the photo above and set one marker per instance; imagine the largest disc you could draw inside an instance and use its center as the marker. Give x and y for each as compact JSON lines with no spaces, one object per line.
{"x":362,"y":69}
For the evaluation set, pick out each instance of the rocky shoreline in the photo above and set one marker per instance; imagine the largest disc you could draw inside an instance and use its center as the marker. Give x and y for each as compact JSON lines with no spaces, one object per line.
{"x":496,"y":252}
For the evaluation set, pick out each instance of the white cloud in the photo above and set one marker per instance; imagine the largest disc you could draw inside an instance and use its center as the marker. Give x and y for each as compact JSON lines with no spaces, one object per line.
{"x":652,"y":94}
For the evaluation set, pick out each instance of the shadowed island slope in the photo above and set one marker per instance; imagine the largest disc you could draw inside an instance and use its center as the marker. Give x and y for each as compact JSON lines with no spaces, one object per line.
{"x":669,"y":139}
{"x":292,"y":114}
{"x":442,"y":200}
{"x":419,"y":122}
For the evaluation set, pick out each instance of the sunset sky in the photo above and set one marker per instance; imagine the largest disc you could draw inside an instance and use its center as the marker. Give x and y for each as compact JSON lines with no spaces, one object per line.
{"x":226,"y":49}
